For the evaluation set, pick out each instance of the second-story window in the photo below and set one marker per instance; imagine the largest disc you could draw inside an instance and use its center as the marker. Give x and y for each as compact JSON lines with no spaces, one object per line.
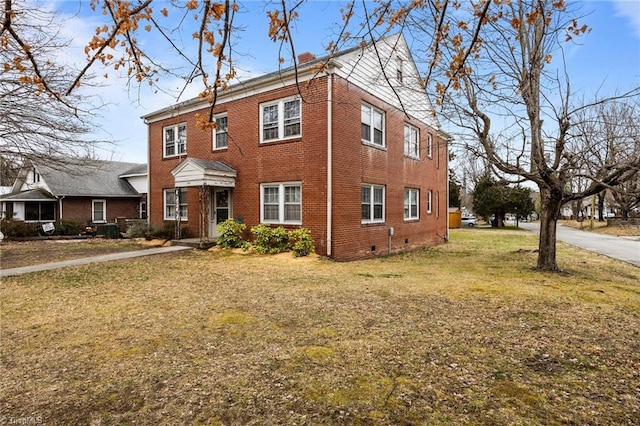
{"x":411,"y":141}
{"x":372,"y":125}
{"x":220,"y":136}
{"x":175,"y":140}
{"x":429,"y":146}
{"x":280,"y":119}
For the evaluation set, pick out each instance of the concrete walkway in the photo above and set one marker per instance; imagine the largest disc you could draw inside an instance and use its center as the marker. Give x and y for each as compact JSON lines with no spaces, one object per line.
{"x":621,"y":248}
{"x":88,"y":260}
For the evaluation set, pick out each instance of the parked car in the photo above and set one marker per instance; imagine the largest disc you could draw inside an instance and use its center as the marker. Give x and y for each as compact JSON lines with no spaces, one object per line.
{"x":469,"y":221}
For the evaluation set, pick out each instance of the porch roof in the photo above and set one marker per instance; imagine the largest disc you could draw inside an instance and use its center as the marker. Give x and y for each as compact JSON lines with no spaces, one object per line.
{"x":37,"y":194}
{"x":199,"y":172}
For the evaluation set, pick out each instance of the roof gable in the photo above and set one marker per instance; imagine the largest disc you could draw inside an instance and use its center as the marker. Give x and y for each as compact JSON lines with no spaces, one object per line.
{"x":360,"y":65}
{"x":374,"y":69}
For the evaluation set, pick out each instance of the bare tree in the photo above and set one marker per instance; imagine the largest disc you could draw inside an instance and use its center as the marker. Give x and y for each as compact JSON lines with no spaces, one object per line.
{"x":605,"y":136}
{"x":38,"y":122}
{"x":519,"y":114}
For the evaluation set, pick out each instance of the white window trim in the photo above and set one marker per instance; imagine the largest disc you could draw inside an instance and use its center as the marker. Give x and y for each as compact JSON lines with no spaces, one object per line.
{"x":176,"y":128}
{"x":429,"y":145}
{"x":371,"y":135}
{"x":215,"y":133}
{"x":280,"y":186}
{"x":429,"y":201}
{"x":371,"y":207}
{"x":417,"y":216}
{"x":93,"y":211}
{"x":407,"y":148}
{"x":182,"y":203}
{"x":280,"y":103}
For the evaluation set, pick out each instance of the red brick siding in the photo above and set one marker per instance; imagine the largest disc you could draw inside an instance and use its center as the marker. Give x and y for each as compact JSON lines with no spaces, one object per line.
{"x":304,"y":159}
{"x":80,"y":208}
{"x":356,"y":163}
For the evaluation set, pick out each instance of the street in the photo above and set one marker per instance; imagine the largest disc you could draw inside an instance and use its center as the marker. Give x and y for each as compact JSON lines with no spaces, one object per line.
{"x":626,"y":249}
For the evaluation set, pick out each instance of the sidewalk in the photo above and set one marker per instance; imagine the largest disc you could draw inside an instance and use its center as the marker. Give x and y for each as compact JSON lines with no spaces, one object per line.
{"x":88,"y":260}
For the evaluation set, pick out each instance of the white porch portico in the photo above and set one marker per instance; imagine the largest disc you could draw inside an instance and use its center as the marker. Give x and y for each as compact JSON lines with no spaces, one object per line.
{"x":215,"y":181}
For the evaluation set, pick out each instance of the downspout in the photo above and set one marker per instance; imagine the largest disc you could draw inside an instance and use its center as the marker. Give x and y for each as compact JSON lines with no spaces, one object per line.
{"x":60,"y":207}
{"x":148,"y":196}
{"x":329,"y":160}
{"x":446,"y":144}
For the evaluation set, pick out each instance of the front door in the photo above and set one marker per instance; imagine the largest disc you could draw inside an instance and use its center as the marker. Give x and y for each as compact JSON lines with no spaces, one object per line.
{"x":220,"y":209}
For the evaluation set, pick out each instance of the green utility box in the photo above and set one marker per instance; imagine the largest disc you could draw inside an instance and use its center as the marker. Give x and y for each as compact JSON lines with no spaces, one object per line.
{"x":109,"y":230}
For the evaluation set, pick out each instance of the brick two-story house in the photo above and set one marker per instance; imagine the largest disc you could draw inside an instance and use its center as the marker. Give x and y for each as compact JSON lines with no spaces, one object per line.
{"x":351,"y":151}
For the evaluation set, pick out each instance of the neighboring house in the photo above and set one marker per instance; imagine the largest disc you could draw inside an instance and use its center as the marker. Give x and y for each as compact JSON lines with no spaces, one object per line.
{"x":352,"y":151}
{"x":91,"y":193}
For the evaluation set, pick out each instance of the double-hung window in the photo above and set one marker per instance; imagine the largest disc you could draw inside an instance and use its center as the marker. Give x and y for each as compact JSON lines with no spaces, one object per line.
{"x":220,"y":136}
{"x":372,"y":203}
{"x":281,"y":203}
{"x":175,"y":199}
{"x":280,"y":120}
{"x":411,"y":210}
{"x":372,"y":125}
{"x":99,"y":211}
{"x":175,"y":140}
{"x":411,"y":141}
{"x":429,"y":201}
{"x":429,"y":146}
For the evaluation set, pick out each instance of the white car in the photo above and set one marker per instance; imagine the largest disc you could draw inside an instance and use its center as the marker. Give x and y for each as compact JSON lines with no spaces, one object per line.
{"x":469,"y":221}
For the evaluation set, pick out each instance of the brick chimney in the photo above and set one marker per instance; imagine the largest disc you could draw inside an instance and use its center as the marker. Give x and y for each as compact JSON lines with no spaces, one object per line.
{"x":305,"y":57}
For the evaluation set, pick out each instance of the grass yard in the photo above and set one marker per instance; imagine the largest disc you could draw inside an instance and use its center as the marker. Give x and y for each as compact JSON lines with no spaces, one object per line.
{"x":466,"y":333}
{"x":14,"y":254}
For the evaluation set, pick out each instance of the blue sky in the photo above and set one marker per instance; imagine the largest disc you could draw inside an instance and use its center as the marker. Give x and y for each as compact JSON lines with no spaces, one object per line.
{"x":605,"y":61}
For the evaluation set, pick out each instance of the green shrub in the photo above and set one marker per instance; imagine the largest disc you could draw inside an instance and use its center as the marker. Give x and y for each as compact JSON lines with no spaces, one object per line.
{"x":139,"y":230}
{"x":269,"y":240}
{"x":68,"y":227}
{"x":301,"y":242}
{"x":168,"y":232}
{"x":230,"y":234}
{"x":19,"y":229}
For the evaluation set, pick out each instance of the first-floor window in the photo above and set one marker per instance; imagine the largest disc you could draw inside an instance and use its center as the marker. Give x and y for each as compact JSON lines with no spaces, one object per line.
{"x":172,"y":199}
{"x":143,"y":209}
{"x":411,"y":204}
{"x":99,"y":211}
{"x":429,"y":200}
{"x":39,"y":211}
{"x":8,"y":210}
{"x":372,"y":203}
{"x":281,"y":203}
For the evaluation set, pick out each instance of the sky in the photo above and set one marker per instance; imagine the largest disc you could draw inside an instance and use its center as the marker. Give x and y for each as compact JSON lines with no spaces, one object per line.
{"x":605,"y":61}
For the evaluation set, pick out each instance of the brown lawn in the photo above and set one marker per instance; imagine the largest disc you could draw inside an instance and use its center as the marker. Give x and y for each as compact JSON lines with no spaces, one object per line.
{"x":467,"y":333}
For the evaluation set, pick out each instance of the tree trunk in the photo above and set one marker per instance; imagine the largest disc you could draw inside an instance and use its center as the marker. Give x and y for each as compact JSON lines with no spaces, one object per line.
{"x":601,"y":206}
{"x":550,"y":203}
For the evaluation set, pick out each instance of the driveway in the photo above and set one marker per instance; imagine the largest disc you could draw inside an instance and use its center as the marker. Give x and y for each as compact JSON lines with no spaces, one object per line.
{"x":625,"y":249}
